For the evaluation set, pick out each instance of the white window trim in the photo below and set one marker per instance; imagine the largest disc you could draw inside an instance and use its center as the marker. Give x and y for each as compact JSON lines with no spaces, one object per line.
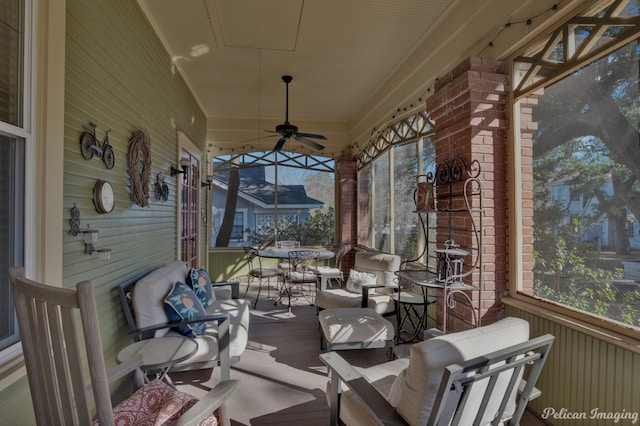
{"x":11,"y":361}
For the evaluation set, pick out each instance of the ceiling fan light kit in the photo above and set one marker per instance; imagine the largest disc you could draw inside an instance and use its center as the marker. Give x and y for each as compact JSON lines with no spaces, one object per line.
{"x":288,"y":130}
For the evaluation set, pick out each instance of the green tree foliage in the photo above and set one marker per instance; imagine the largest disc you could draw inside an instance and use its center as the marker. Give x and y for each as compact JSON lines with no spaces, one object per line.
{"x":588,"y":139}
{"x":318,"y":230}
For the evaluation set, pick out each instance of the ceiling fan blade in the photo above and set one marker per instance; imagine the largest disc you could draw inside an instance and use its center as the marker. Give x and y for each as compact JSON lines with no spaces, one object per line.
{"x":279,"y":144}
{"x":312,"y":136}
{"x":258,"y":138}
{"x":309,"y":142}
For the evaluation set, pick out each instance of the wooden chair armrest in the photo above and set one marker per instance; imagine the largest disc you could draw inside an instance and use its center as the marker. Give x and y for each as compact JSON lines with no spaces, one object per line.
{"x":148,"y":332}
{"x":235,"y":287}
{"x":209,"y":403}
{"x":340,"y":371}
{"x":123,"y":369}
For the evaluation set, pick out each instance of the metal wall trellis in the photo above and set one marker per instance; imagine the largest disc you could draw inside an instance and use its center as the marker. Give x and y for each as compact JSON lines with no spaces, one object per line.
{"x":271,"y":158}
{"x":601,"y":29}
{"x":407,"y":129}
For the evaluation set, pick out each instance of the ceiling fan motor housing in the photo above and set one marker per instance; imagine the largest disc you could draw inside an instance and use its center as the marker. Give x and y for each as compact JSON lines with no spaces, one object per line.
{"x":286,"y":129}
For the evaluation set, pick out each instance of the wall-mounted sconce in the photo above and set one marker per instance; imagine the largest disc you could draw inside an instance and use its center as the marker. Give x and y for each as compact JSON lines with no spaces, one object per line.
{"x":184,"y":165}
{"x":208,"y":182}
{"x":161,"y":188}
{"x":90,"y":238}
{"x":75,"y":220}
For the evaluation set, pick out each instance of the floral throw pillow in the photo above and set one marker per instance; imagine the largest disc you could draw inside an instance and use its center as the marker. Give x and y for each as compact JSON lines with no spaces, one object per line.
{"x":198,"y":279}
{"x":182,"y":303}
{"x":156,"y":403}
{"x":357,"y":279}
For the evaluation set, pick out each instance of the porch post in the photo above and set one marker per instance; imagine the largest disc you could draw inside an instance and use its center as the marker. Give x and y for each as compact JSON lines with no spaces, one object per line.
{"x":346,"y":208}
{"x":468,"y":108}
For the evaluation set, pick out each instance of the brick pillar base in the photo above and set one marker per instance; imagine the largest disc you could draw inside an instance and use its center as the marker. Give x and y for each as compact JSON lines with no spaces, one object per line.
{"x":346,"y":209}
{"x":468,"y":108}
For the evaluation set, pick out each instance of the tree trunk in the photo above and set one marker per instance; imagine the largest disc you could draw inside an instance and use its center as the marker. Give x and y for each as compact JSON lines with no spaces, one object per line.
{"x":222,"y":240}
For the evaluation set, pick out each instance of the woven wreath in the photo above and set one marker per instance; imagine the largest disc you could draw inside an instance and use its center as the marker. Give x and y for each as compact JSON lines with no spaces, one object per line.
{"x":140,"y":166}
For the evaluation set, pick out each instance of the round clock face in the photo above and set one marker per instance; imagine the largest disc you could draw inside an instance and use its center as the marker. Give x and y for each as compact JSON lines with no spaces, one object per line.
{"x":103,"y":197}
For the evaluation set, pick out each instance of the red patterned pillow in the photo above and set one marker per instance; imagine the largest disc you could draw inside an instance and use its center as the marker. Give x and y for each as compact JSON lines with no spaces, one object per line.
{"x":155,"y":404}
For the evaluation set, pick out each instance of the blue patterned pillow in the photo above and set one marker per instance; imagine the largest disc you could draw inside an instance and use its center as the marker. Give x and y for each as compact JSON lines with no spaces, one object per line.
{"x":182,"y":303}
{"x":198,"y":279}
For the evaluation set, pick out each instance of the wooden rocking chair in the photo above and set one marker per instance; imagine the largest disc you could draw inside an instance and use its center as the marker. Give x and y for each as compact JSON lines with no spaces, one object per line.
{"x":55,"y":354}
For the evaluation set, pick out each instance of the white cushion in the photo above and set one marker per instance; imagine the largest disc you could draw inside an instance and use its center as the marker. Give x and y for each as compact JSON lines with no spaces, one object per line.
{"x":353,"y":411}
{"x":381,"y":264}
{"x":357,"y":279}
{"x":353,"y":325}
{"x":149,"y":293}
{"x":341,"y":298}
{"x":238,"y":311}
{"x":327,"y":271}
{"x":414,"y":391}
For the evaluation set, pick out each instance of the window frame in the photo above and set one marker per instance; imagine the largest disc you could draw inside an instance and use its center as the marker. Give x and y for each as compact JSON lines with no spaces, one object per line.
{"x":607,"y":329}
{"x":11,"y":355}
{"x":416,"y":129}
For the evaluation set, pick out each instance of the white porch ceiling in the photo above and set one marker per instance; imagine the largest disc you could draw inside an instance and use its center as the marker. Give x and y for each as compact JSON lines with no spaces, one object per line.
{"x":345,"y":56}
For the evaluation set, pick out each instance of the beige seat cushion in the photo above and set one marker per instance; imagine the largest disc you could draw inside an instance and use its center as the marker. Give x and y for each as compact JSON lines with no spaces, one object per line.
{"x":341,"y":298}
{"x":238,"y":311}
{"x":148,"y":302}
{"x":384,"y":267}
{"x":355,"y":325}
{"x":352,"y":411}
{"x":414,"y":385}
{"x":415,"y":389}
{"x":149,"y":293}
{"x":381,"y":264}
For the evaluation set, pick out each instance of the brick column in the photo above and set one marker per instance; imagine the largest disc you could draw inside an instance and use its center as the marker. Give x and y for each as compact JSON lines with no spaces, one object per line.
{"x":468,"y":108}
{"x":346,"y":207}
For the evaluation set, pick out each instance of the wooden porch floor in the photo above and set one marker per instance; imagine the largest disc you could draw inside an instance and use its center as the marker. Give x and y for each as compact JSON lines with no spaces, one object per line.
{"x":282,"y":381}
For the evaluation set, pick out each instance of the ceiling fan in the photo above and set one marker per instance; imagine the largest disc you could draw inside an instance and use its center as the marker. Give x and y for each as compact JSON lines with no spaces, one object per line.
{"x":288,"y":130}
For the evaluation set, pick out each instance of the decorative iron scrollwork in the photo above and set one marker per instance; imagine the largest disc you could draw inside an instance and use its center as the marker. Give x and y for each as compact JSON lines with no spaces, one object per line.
{"x":456,"y":170}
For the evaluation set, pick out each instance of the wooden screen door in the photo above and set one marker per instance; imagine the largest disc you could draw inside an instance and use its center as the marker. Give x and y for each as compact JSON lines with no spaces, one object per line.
{"x":189,"y":235}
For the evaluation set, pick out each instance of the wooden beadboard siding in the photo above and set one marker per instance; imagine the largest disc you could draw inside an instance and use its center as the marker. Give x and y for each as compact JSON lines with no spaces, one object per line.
{"x":119,"y":76}
{"x":584,"y":373}
{"x":16,"y":408}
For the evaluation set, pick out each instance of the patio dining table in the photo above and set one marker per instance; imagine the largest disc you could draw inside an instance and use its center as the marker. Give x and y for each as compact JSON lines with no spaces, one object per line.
{"x":283,"y":253}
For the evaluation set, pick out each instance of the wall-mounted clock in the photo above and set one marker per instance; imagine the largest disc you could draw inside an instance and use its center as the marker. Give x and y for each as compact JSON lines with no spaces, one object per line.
{"x":103,"y":197}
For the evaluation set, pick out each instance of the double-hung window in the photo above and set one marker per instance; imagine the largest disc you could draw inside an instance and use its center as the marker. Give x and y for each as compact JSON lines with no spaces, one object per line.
{"x":14,"y":136}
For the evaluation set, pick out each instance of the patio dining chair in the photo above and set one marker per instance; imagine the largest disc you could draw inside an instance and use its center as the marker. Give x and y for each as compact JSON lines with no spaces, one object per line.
{"x":300,"y":272}
{"x":286,"y":244}
{"x":56,"y":347}
{"x":332,"y":271}
{"x":256,"y":270}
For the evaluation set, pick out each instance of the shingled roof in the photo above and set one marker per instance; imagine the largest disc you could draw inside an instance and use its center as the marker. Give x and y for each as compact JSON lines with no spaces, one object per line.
{"x":253,"y":183}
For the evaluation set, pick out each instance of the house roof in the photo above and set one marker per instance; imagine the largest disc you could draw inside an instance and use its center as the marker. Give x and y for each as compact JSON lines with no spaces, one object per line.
{"x":253,"y":183}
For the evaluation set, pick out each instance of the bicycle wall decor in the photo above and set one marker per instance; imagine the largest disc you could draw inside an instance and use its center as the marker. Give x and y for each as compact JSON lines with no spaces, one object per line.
{"x":89,"y":145}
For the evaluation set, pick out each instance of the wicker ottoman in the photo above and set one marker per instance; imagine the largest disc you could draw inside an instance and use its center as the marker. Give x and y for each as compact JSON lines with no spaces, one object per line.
{"x":355,"y":328}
